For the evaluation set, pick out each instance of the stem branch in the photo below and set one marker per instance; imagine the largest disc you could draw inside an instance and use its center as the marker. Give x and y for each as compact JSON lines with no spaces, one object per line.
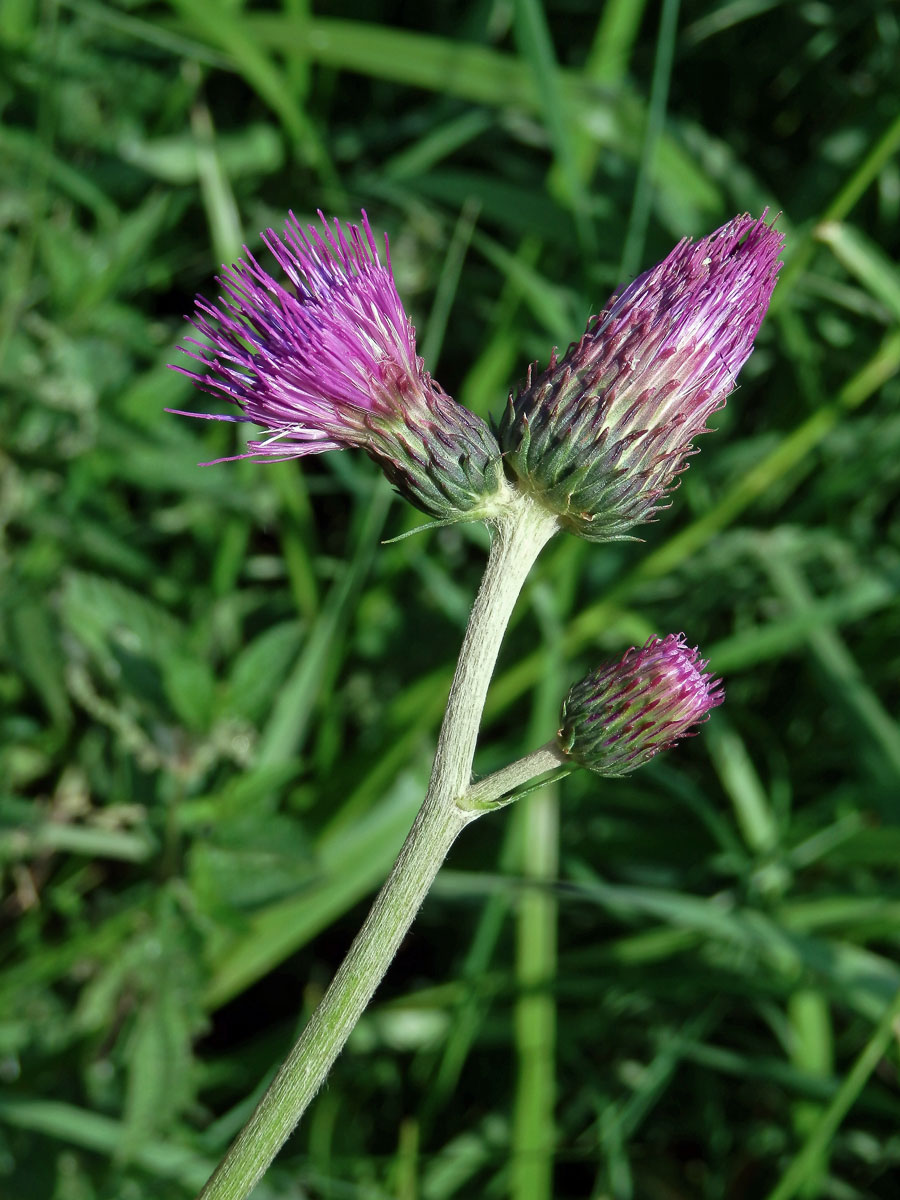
{"x":494,"y":790}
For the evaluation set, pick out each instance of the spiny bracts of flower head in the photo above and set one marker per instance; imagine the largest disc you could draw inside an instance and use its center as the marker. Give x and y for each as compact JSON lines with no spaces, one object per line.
{"x":328,"y":361}
{"x":624,"y":713}
{"x":600,"y":436}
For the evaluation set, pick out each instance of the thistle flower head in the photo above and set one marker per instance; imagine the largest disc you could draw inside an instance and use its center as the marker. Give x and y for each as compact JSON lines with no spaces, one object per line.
{"x":600,"y":436}
{"x":327,"y":360}
{"x":624,"y":713}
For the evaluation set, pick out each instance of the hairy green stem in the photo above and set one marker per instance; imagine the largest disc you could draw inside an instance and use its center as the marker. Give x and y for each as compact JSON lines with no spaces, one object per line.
{"x":519,"y":533}
{"x":501,"y":788}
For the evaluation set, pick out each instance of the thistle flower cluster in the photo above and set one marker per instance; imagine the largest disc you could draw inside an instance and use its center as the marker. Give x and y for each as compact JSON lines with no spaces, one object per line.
{"x":327,"y":361}
{"x":621,"y":715}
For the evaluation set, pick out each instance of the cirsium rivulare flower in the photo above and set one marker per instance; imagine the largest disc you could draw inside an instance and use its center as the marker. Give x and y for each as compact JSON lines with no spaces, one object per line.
{"x":600,"y":436}
{"x":624,"y":713}
{"x":328,"y":361}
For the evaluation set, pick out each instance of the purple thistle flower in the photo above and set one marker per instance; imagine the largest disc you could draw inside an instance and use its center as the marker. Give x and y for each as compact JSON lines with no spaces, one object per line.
{"x":624,"y":713}
{"x":600,"y":436}
{"x":329,"y":362}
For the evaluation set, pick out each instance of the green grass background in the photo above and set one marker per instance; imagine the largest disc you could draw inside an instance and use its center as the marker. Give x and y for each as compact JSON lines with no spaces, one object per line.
{"x":220,"y":690}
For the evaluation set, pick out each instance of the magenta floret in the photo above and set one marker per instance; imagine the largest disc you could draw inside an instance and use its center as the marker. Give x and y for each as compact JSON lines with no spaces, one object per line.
{"x":601,"y":435}
{"x":328,"y":361}
{"x":621,"y":715}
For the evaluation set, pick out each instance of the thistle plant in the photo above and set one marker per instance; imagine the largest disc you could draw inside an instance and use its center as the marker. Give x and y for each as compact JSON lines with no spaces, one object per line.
{"x":593,"y":445}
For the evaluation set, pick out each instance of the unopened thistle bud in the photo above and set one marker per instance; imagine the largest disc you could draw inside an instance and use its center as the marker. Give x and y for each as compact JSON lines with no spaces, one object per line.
{"x":622,"y":714}
{"x":600,"y":436}
{"x":328,"y":361}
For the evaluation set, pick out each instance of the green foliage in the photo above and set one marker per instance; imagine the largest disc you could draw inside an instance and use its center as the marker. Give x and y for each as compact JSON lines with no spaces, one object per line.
{"x":219,"y":691}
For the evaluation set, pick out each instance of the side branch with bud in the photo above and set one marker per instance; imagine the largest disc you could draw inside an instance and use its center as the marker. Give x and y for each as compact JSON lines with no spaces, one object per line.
{"x":592,"y":445}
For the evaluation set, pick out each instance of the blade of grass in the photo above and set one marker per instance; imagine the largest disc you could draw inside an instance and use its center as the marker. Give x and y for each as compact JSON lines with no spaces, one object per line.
{"x":839,"y":209}
{"x":351,"y":868}
{"x":548,"y":303}
{"x":485,"y":76}
{"x":286,"y":728}
{"x":865,"y":261}
{"x":225,"y":228}
{"x":41,"y":161}
{"x":437,"y":144}
{"x":740,"y":781}
{"x":657,"y":1074}
{"x":536,"y":47}
{"x":18,"y":146}
{"x":606,"y":67}
{"x":786,"y":633}
{"x":488,"y":377}
{"x":847,"y":680}
{"x":617,"y":30}
{"x":472,"y":1007}
{"x":537,"y":821}
{"x":90,"y":1130}
{"x":298,"y":13}
{"x":151,"y":32}
{"x":805,"y":1166}
{"x":228,"y":30}
{"x":297,"y":533}
{"x":812,"y":1053}
{"x":448,"y":284}
{"x":642,"y":200}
